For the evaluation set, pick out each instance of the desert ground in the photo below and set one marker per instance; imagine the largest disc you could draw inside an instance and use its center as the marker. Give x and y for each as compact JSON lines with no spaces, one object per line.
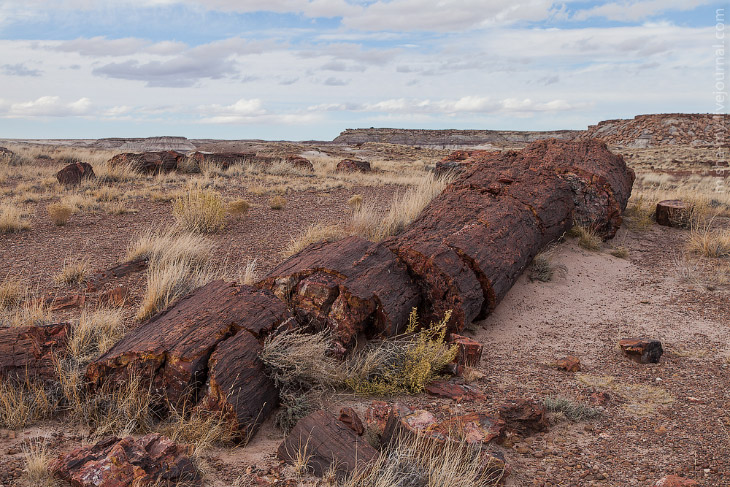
{"x":614,"y":422}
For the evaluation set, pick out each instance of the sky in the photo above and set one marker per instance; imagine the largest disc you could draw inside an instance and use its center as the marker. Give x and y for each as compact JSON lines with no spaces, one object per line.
{"x":308,"y":69}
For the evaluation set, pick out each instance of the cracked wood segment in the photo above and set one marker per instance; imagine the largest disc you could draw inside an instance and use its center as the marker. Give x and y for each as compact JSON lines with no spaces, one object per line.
{"x":120,"y":270}
{"x":28,"y":351}
{"x":326,"y":442}
{"x":350,"y":286}
{"x":171,"y":351}
{"x":238,"y":385}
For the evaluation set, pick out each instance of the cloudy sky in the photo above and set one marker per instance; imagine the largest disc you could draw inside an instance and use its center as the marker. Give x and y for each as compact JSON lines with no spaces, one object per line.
{"x":307,"y":69}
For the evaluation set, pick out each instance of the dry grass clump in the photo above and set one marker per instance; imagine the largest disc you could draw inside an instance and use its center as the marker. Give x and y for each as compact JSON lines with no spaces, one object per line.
{"x":11,"y":219}
{"x":313,"y":234}
{"x":12,"y":293}
{"x":238,"y":207}
{"x":621,"y":252}
{"x":639,"y":214}
{"x":587,"y":237}
{"x":200,"y":211}
{"x":177,"y":265}
{"x":572,"y":410}
{"x":418,"y":462}
{"x":37,"y":464}
{"x":405,"y":364}
{"x":543,"y":269}
{"x":60,"y":213}
{"x":372,"y":224}
{"x":22,"y":403}
{"x":95,"y":332}
{"x":355,"y":202}
{"x":277,"y":203}
{"x":73,"y":273}
{"x":708,"y":241}
{"x":247,"y":274}
{"x":32,"y":312}
{"x":202,"y":429}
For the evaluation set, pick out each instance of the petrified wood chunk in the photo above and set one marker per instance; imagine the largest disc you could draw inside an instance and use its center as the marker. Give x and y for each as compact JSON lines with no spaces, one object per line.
{"x":114,"y":462}
{"x":523,"y":416}
{"x":326,"y":442}
{"x":120,"y":270}
{"x":148,"y":162}
{"x":352,"y":420}
{"x":171,"y":350}
{"x":672,"y":213}
{"x":642,"y":350}
{"x":300,"y":162}
{"x":28,"y":351}
{"x":571,"y":363}
{"x":353,"y":165}
{"x":470,"y":351}
{"x":238,"y":385}
{"x":74,"y":173}
{"x":223,"y":159}
{"x":350,"y":286}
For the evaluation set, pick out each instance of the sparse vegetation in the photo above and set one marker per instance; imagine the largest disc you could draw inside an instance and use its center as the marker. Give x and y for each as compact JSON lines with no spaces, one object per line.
{"x":572,"y":410}
{"x":543,"y":269}
{"x":200,"y":211}
{"x":94,"y":333}
{"x":706,"y":240}
{"x":23,"y":402}
{"x":12,"y":293}
{"x":620,"y":251}
{"x":11,"y":219}
{"x":238,"y":207}
{"x":277,"y":203}
{"x":314,"y":234}
{"x":37,"y":463}
{"x":355,"y":202}
{"x":73,"y":272}
{"x":60,"y":213}
{"x":587,"y":238}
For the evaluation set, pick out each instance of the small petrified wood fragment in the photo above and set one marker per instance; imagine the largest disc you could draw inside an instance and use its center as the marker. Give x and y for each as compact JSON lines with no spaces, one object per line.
{"x":28,"y":351}
{"x":74,"y":173}
{"x":642,"y":350}
{"x":326,"y":442}
{"x":523,"y":416}
{"x":672,"y":213}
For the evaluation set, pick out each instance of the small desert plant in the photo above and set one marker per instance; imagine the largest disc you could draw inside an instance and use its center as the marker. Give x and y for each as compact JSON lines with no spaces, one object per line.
{"x":12,"y":293}
{"x":543,"y":269}
{"x":11,"y":219}
{"x":355,"y":202}
{"x":708,"y":241}
{"x":420,"y":462}
{"x":621,"y":252}
{"x":33,"y":312}
{"x":572,"y":410}
{"x":313,"y":234}
{"x":405,"y":364}
{"x":293,"y":406}
{"x":72,"y":273}
{"x":248,"y":274}
{"x":238,"y":207}
{"x":168,"y":246}
{"x":166,"y":283}
{"x":60,"y":213}
{"x":640,"y":213}
{"x":202,"y":429}
{"x":277,"y":203}
{"x":37,"y":463}
{"x":587,"y":237}
{"x":95,"y":333}
{"x":200,"y":211}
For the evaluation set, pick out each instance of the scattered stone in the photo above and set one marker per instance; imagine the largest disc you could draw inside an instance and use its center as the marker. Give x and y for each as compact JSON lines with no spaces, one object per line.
{"x":470,"y":351}
{"x":571,"y":363}
{"x":30,"y":351}
{"x":326,"y":443}
{"x":675,"y":481}
{"x":523,"y":416}
{"x":73,"y":174}
{"x":454,"y":391}
{"x":115,"y":462}
{"x":642,"y":350}
{"x":352,"y":420}
{"x":353,"y":165}
{"x":115,"y":296}
{"x":672,"y":213}
{"x":300,"y":162}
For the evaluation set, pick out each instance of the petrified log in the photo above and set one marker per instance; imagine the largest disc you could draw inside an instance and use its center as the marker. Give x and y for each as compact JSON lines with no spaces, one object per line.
{"x":120,"y":270}
{"x":469,"y":245}
{"x":148,"y":162}
{"x":300,"y":162}
{"x":350,"y":286}
{"x":151,"y":460}
{"x":353,"y":165}
{"x":28,"y":351}
{"x":170,"y":352}
{"x":326,"y":442}
{"x":672,"y":213}
{"x":642,"y":350}
{"x":73,"y":174}
{"x":349,"y":417}
{"x":238,"y":385}
{"x":223,"y":159}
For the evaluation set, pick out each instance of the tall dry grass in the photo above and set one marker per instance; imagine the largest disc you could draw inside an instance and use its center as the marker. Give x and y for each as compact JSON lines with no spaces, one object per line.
{"x":200,"y":211}
{"x":12,"y":219}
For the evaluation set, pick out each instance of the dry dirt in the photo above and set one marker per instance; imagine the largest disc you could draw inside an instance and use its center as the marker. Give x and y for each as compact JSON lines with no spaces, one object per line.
{"x":671,"y":417}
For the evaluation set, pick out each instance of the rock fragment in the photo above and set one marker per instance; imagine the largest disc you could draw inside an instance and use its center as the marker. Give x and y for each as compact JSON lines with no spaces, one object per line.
{"x":642,"y":350}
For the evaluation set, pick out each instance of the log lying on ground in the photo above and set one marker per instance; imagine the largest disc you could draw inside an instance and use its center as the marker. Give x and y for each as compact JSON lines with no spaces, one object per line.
{"x":323,"y":442}
{"x":170,"y":352}
{"x":28,"y":351}
{"x":98,"y":280}
{"x":148,"y":162}
{"x":350,"y":286}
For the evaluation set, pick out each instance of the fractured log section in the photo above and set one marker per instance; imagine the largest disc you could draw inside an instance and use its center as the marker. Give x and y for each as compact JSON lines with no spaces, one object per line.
{"x":170,"y":352}
{"x":28,"y":351}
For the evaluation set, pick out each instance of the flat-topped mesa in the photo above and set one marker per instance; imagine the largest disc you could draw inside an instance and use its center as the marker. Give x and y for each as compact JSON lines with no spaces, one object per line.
{"x":351,"y":286}
{"x":472,"y":242}
{"x":449,"y":137}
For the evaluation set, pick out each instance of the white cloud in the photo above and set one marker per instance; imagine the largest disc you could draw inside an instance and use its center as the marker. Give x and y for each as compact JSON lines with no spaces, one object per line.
{"x":635,"y":10}
{"x":46,"y":106}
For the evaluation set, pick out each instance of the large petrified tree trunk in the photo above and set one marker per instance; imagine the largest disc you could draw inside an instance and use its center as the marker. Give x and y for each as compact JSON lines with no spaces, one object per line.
{"x":171,"y":351}
{"x":28,"y":351}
